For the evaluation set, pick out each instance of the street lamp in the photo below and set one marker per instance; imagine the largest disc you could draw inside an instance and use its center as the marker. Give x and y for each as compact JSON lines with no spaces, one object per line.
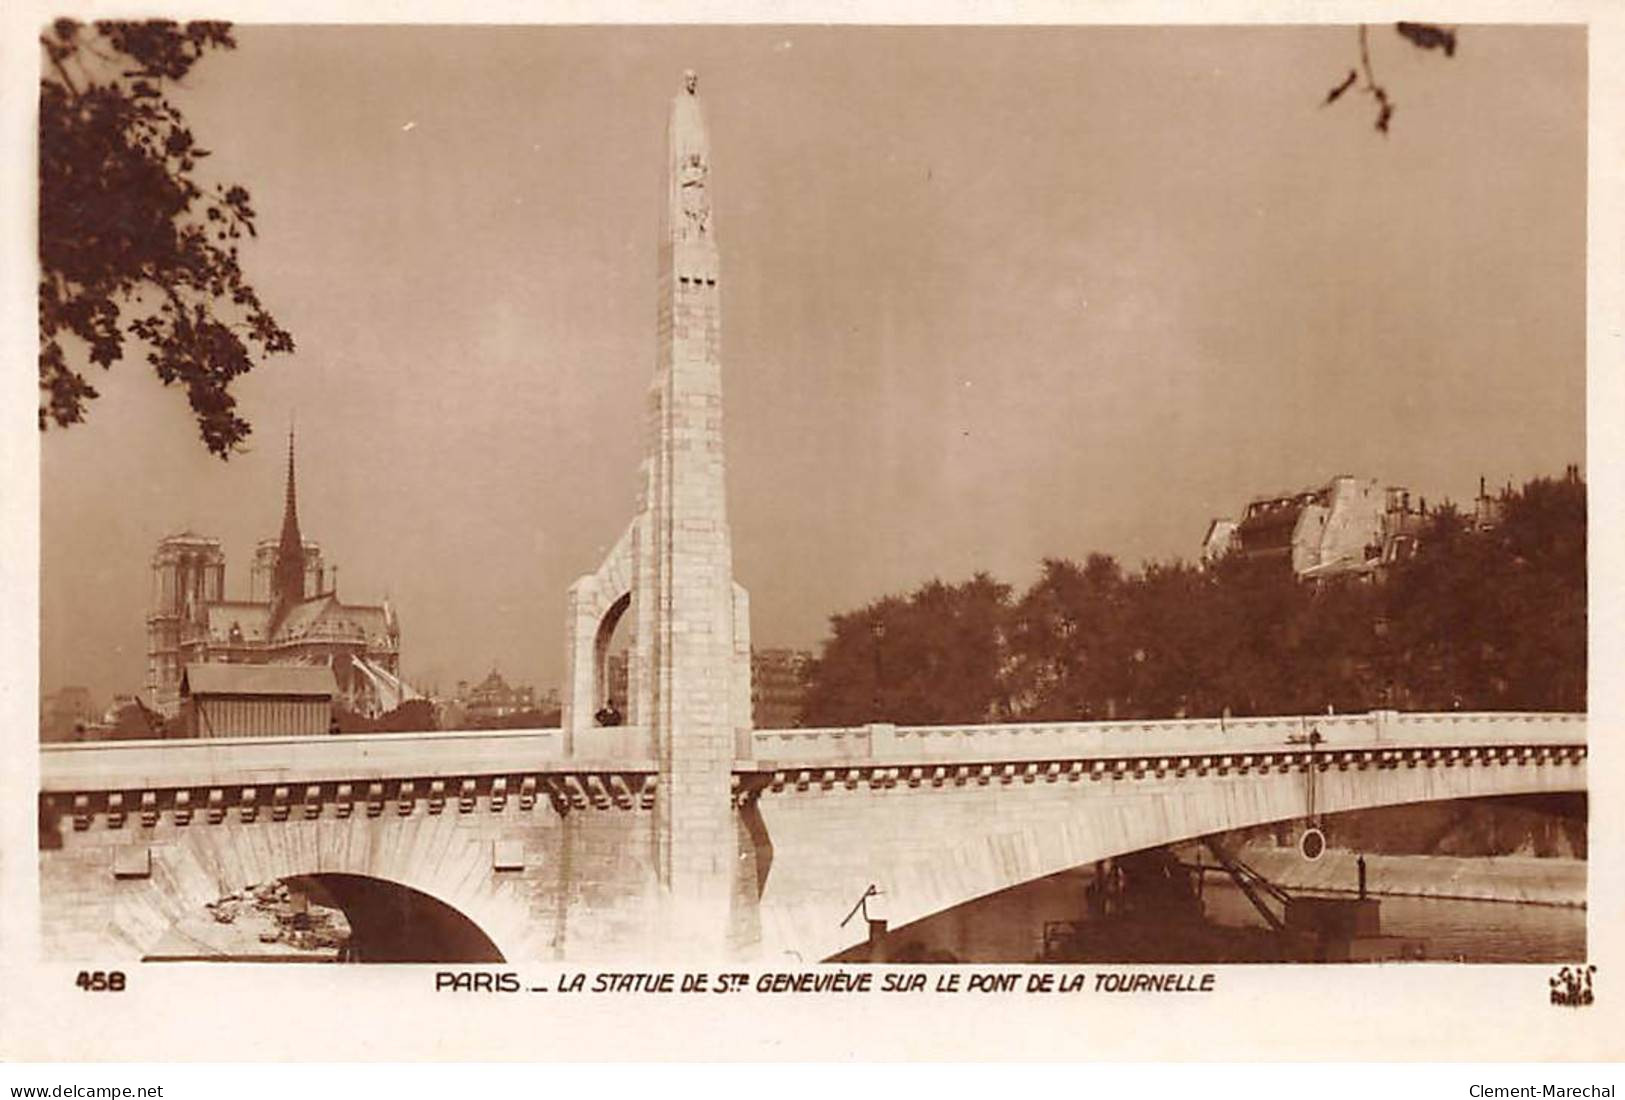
{"x":877,"y":630}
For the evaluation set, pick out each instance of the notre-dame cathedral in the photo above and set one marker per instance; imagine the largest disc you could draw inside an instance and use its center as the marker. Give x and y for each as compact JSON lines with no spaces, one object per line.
{"x":293,"y":616}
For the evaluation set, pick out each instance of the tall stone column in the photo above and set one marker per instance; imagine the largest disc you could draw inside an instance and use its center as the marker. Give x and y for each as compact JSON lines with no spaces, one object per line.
{"x":689,"y":658}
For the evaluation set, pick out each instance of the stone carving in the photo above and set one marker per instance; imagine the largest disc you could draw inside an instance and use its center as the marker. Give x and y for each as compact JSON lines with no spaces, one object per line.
{"x":696,"y":204}
{"x":691,"y":165}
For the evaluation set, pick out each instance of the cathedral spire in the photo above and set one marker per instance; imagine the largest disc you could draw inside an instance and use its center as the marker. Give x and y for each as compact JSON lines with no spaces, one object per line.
{"x":288,"y":582}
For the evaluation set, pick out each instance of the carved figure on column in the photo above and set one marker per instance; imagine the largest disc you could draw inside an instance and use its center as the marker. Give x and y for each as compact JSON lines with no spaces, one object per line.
{"x":691,"y":165}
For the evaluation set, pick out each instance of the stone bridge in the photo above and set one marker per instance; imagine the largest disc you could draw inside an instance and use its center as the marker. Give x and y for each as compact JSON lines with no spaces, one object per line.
{"x":552,"y":853}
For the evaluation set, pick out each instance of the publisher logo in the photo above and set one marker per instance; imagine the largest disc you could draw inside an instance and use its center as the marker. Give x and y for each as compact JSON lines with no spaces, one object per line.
{"x":1572,"y":986}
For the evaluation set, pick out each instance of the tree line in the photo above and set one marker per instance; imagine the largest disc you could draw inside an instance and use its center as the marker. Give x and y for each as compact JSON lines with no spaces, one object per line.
{"x":1480,"y":618}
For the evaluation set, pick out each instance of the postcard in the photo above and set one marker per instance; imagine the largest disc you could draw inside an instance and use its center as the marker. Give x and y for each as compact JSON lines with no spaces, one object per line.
{"x":816,"y":537}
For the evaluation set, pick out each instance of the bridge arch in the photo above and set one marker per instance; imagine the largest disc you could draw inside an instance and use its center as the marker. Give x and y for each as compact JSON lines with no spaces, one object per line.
{"x":425,"y":864}
{"x":1006,"y":925}
{"x":387,"y":923}
{"x":392,"y":923}
{"x":992,"y":827}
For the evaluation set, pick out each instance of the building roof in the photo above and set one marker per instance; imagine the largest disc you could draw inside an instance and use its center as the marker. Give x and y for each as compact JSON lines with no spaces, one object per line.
{"x":325,"y":617}
{"x":216,"y":679}
{"x":1269,"y":529}
{"x":318,"y":618}
{"x":250,"y":618}
{"x":298,"y":618}
{"x":189,"y":537}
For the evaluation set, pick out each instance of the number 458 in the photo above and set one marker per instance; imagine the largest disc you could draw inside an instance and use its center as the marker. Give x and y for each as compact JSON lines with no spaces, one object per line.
{"x":99,"y":981}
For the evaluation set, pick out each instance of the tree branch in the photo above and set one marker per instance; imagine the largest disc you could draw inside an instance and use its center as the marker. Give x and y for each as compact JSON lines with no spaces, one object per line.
{"x":56,"y":63}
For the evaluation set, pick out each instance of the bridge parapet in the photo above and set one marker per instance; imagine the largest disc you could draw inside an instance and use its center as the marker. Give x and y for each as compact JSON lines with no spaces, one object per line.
{"x":308,"y":778}
{"x":170,"y":764}
{"x":1071,"y":740}
{"x":1487,"y":728}
{"x":184,"y":762}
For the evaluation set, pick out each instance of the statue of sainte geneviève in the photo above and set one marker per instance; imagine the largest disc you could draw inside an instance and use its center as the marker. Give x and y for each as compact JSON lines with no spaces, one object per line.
{"x":691,"y":165}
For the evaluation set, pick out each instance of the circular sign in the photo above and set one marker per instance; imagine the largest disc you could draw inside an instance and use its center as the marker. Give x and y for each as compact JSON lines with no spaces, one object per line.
{"x":1312,"y":844}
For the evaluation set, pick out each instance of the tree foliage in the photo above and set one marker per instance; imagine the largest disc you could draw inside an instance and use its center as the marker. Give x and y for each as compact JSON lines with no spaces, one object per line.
{"x":125,"y":224}
{"x":930,"y":657}
{"x":1490,"y":619}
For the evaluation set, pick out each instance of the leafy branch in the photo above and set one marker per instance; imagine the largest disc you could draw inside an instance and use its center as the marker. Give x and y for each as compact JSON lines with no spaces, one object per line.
{"x":1425,"y":36}
{"x":126,"y":224}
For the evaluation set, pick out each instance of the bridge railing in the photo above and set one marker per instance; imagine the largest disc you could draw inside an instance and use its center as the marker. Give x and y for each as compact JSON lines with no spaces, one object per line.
{"x":1052,"y":740}
{"x":265,"y":760}
{"x":269,"y":760}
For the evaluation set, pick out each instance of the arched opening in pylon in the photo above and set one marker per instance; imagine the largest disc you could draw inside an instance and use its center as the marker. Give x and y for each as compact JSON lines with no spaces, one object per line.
{"x":611,"y":675}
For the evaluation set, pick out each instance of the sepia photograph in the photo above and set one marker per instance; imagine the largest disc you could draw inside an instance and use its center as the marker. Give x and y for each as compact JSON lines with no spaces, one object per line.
{"x":829,"y":506}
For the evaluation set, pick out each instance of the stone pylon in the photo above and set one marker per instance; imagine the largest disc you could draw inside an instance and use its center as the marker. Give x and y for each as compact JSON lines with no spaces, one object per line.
{"x":688,"y":680}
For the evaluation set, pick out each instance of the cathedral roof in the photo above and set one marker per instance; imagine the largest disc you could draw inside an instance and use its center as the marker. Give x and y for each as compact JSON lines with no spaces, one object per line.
{"x":299,"y":618}
{"x":319,"y":618}
{"x":250,"y":618}
{"x":325,"y":617}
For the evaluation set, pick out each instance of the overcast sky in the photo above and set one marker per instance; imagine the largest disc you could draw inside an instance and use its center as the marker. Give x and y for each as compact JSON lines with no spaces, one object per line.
{"x":989,"y":296}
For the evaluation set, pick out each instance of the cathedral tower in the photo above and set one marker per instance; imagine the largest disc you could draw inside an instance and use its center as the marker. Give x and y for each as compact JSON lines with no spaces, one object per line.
{"x":188,"y":574}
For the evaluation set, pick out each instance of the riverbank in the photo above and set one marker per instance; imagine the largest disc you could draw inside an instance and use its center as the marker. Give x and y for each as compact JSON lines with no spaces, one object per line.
{"x":1526,"y":880}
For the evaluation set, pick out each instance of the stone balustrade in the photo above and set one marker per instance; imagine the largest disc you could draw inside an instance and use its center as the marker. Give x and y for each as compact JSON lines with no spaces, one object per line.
{"x":272,"y":761}
{"x":261,"y":761}
{"x":776,"y":749}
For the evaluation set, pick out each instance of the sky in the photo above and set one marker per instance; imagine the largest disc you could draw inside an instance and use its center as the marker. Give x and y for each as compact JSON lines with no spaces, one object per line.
{"x":990,"y":295}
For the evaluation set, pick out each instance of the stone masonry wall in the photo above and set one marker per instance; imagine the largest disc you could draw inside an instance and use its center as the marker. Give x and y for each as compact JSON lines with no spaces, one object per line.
{"x":577,"y":885}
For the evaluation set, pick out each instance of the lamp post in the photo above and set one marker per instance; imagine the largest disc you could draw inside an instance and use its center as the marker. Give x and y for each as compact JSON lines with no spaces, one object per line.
{"x":877,"y":630}
{"x":1312,"y":844}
